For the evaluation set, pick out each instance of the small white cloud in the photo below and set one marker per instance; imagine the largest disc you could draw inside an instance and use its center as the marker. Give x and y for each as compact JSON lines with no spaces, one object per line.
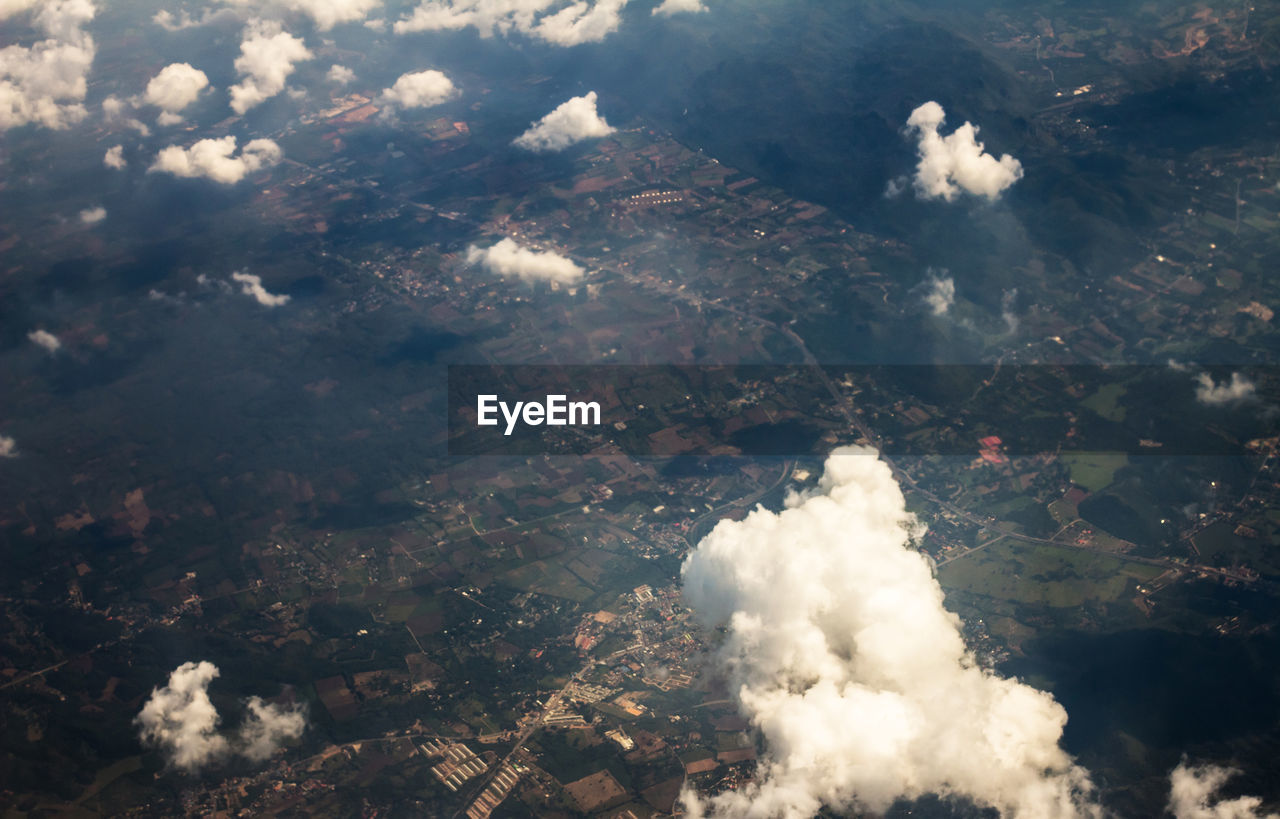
{"x":173,"y":89}
{"x":571,"y":122}
{"x":1008,"y":304}
{"x":451,"y":15}
{"x":1234,"y":391}
{"x":160,"y":296}
{"x":119,"y":112}
{"x":168,"y":21}
{"x":340,"y":75}
{"x":266,"y":726}
{"x":957,"y":163}
{"x":940,"y":293}
{"x":251,"y":285}
{"x":509,"y":259}
{"x":94,"y":215}
{"x":213,"y":159}
{"x":266,"y":60}
{"x":1193,"y":791}
{"x":8,"y":447}
{"x":670,"y":7}
{"x":114,"y":158}
{"x":43,"y":338}
{"x":578,"y":22}
{"x":325,"y":13}
{"x":328,"y":13}
{"x":180,"y":720}
{"x":204,"y":280}
{"x":422,"y":89}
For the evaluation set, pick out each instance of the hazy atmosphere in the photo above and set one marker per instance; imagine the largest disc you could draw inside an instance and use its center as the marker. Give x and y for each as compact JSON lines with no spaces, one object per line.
{"x":639,"y":408}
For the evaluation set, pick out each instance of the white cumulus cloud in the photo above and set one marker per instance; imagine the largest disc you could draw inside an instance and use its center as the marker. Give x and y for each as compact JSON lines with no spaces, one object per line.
{"x":421,"y":89}
{"x":169,"y":21}
{"x":509,"y":260}
{"x":181,"y":722}
{"x":266,"y":726}
{"x":839,"y":650}
{"x":45,"y":83}
{"x":325,"y":13}
{"x":340,"y":74}
{"x":1233,"y":391}
{"x":552,"y":21}
{"x":114,"y":158}
{"x":266,"y":60}
{"x":1193,"y":792}
{"x":8,"y":8}
{"x":251,"y":285}
{"x":571,"y":122}
{"x":1008,"y":310}
{"x":486,"y":16}
{"x":581,"y":22}
{"x":119,"y":112}
{"x":669,"y":7}
{"x":45,"y":340}
{"x":939,"y":293}
{"x":215,"y":159}
{"x":174,"y":88}
{"x":328,"y":13}
{"x":94,"y":215}
{"x":950,"y":165}
{"x":8,"y":447}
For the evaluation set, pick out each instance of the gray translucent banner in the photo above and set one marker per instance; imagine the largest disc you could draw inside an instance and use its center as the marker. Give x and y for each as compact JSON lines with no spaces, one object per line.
{"x":983,"y":411}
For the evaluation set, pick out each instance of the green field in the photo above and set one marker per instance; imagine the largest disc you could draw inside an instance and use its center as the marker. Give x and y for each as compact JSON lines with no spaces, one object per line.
{"x":1220,"y":546}
{"x":1105,"y":402}
{"x":1043,"y":575}
{"x":549,"y":577}
{"x":1093,"y":470}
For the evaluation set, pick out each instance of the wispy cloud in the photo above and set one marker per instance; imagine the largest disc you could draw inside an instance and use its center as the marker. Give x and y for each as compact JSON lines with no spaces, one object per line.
{"x":939,"y":293}
{"x":1194,"y":791}
{"x":554,"y":22}
{"x":251,"y":285}
{"x":45,"y":340}
{"x":1234,"y":391}
{"x":93,"y":215}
